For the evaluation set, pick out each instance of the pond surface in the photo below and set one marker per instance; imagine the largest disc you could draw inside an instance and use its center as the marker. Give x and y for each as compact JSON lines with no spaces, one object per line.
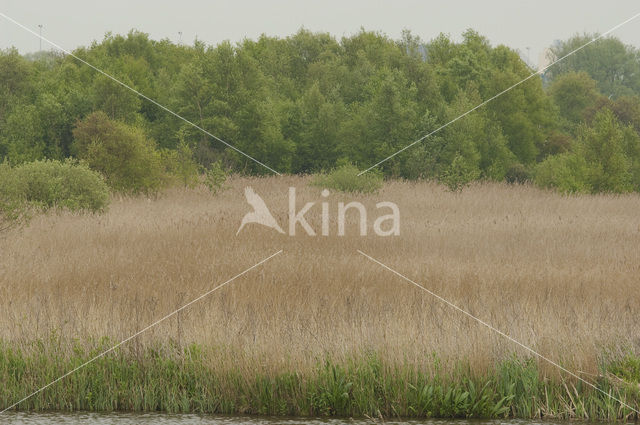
{"x":23,"y":418}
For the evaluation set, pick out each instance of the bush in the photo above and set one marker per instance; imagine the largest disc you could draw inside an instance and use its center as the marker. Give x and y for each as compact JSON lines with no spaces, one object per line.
{"x":69,"y":184}
{"x":122,"y":153}
{"x":215,"y":177}
{"x":345,"y":179}
{"x":46,"y":184}
{"x":566,"y":172}
{"x":602,"y":147}
{"x":180,"y":165}
{"x":517,"y":173}
{"x":459,"y":174}
{"x":602,"y":160}
{"x":12,"y":209}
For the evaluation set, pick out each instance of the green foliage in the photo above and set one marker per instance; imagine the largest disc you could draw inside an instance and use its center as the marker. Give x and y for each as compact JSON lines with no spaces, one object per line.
{"x":15,"y":73}
{"x":46,"y":184}
{"x":311,"y":102}
{"x":459,"y":174}
{"x":604,"y":159}
{"x":180,"y":165}
{"x":573,"y":93}
{"x":566,"y":172}
{"x":69,"y":184}
{"x":319,"y":119}
{"x":626,"y":368}
{"x":519,"y":381}
{"x":118,"y":102}
{"x":602,"y":147}
{"x":627,"y":110}
{"x":13,"y":209}
{"x":517,"y":173}
{"x":345,"y":179}
{"x":613,"y":65}
{"x":167,"y":378}
{"x":556,"y":143}
{"x":334,"y":391}
{"x":122,"y":153}
{"x":526,"y":112}
{"x":215,"y":177}
{"x":472,"y":148}
{"x":631,"y":145}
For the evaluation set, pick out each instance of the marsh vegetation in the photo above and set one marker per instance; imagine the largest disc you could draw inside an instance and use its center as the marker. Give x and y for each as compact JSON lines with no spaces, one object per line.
{"x":320,"y":330}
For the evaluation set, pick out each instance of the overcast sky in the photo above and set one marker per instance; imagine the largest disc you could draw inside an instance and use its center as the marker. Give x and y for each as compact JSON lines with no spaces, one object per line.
{"x":518,"y":24}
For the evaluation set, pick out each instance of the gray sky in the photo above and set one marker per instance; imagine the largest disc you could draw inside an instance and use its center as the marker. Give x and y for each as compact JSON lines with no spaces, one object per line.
{"x":516,"y":23}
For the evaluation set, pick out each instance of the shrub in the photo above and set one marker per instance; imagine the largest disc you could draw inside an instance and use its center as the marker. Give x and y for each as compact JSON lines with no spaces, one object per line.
{"x":459,"y":174}
{"x":517,"y":173}
{"x":602,"y":147}
{"x":46,"y":184}
{"x":69,"y":184}
{"x":12,"y":209}
{"x":601,"y":160}
{"x":566,"y":172}
{"x":215,"y":177}
{"x":574,"y":93}
{"x":180,"y":165}
{"x":345,"y":179}
{"x":122,"y":153}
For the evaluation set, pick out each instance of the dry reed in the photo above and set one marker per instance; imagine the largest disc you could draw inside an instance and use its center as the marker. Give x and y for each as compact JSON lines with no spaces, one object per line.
{"x":560,"y":274}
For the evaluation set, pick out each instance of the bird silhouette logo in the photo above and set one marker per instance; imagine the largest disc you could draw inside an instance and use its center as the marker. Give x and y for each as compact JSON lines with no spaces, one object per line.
{"x":260,"y":213}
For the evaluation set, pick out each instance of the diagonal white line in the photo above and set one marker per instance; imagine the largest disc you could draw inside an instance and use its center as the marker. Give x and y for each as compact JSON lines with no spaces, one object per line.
{"x":540,"y":71}
{"x":140,"y":332}
{"x":137,"y":92}
{"x":499,"y":332}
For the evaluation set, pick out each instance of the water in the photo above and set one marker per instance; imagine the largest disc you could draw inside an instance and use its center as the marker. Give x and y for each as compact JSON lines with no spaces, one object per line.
{"x":22,"y":418}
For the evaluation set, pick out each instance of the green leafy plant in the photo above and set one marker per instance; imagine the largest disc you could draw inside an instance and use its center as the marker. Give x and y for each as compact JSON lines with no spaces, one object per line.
{"x":597,"y":163}
{"x":334,"y":392}
{"x":122,"y":153}
{"x":181,"y":166}
{"x":566,"y":172}
{"x":46,"y":184}
{"x":459,"y":174}
{"x":215,"y":177}
{"x":69,"y":184}
{"x":517,"y":173}
{"x":626,"y":368}
{"x":345,"y":179}
{"x":13,"y":211}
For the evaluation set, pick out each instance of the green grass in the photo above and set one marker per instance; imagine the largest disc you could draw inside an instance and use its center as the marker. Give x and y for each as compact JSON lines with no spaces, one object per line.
{"x":179,"y":380}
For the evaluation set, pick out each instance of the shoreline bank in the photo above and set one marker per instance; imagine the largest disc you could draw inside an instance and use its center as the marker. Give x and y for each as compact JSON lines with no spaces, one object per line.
{"x":183,"y":381}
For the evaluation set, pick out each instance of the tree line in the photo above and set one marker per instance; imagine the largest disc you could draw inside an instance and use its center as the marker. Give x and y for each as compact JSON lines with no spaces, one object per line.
{"x":310,"y":102}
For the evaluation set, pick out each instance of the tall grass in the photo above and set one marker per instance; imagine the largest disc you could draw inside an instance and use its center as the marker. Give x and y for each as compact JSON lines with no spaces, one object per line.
{"x":560,"y":274}
{"x":173,"y":379}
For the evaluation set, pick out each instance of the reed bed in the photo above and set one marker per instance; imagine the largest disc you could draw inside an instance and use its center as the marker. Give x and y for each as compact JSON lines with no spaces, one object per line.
{"x":558,"y":273}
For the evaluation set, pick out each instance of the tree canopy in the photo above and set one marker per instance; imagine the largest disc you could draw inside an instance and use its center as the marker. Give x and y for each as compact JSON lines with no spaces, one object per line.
{"x":310,"y":102}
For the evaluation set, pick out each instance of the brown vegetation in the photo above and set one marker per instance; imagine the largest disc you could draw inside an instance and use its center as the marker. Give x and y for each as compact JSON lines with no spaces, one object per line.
{"x":558,"y":273}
